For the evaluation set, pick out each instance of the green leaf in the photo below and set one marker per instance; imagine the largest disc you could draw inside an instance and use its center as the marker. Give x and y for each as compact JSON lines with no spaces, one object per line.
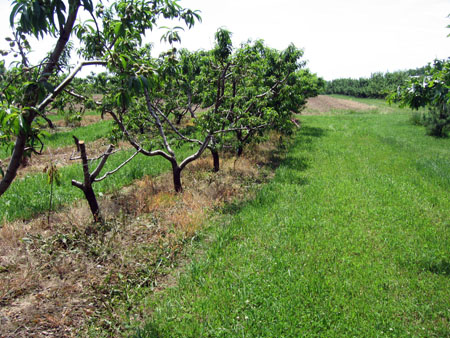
{"x":144,"y":81}
{"x":88,"y":5}
{"x":9,"y":117}
{"x":61,"y":18}
{"x":48,"y":86}
{"x":117,"y":27}
{"x":44,"y":133}
{"x":18,"y":7}
{"x":124,"y":61}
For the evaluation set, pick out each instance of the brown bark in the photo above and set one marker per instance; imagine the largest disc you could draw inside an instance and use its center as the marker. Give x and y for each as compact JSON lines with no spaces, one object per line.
{"x":176,"y":172}
{"x":86,"y":186}
{"x":93,"y":204}
{"x":22,"y":138}
{"x":216,"y":160}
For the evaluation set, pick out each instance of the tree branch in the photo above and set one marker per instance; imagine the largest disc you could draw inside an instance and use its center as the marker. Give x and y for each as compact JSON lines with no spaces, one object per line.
{"x":117,"y":169}
{"x":175,"y":129}
{"x":136,"y":145}
{"x":195,"y":156}
{"x":158,"y":123}
{"x":66,"y":81}
{"x":100,"y":166}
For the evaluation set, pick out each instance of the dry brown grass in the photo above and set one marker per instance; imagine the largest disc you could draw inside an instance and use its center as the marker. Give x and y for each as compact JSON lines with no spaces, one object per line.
{"x":55,"y":278}
{"x":85,"y":121}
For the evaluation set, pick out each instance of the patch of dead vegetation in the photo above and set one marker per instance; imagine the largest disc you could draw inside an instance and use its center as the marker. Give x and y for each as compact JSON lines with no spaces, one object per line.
{"x":85,"y":121}
{"x":57,"y":277}
{"x":324,"y":103}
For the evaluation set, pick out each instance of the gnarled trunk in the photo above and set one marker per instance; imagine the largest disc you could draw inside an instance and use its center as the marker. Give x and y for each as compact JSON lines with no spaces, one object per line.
{"x":216,"y":161}
{"x":176,"y":172}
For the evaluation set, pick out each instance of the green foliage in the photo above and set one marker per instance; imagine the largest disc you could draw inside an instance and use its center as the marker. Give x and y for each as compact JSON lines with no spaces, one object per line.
{"x":253,"y":89}
{"x":38,"y":17}
{"x":110,"y":37}
{"x":431,"y":90}
{"x":379,"y":85}
{"x":245,"y":92}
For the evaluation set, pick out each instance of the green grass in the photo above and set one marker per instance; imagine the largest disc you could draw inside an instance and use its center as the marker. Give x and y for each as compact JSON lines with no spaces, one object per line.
{"x":29,"y":196}
{"x":87,"y":133}
{"x":351,"y":239}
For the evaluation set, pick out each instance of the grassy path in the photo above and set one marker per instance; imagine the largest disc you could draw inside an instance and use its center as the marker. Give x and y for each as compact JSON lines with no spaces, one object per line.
{"x":351,"y":239}
{"x":87,"y":133}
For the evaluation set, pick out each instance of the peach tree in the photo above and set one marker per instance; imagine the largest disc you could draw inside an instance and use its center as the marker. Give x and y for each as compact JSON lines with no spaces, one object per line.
{"x":109,"y":38}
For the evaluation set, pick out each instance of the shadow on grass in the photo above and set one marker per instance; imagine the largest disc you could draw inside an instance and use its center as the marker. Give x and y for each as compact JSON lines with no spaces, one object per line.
{"x":290,"y":168}
{"x":312,"y":131}
{"x":149,"y":331}
{"x":440,"y":268}
{"x":303,"y":139}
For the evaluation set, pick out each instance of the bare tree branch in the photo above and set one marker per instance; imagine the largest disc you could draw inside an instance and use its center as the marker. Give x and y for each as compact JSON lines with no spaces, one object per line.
{"x":80,"y":97}
{"x":175,"y":129}
{"x":158,"y":123}
{"x":100,"y":166}
{"x":134,"y":143}
{"x":66,"y":81}
{"x":195,"y":156}
{"x":117,"y":169}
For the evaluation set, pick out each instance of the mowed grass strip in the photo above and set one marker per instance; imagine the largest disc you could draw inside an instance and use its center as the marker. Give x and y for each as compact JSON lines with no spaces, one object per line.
{"x":351,"y":239}
{"x":87,"y":133}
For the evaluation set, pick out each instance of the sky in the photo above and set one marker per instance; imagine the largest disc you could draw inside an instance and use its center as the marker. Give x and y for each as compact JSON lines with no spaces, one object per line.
{"x":340,"y":38}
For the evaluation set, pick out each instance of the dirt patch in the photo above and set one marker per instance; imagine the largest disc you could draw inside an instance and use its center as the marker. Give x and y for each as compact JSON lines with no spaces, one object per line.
{"x":85,"y":121}
{"x":55,"y":278}
{"x":324,"y":103}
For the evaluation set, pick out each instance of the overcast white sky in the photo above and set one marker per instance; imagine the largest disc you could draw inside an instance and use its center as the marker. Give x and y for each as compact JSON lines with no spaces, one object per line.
{"x":341,"y":38}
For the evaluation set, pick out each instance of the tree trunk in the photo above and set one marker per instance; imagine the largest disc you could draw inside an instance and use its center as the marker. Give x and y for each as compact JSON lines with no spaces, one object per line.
{"x":22,"y":138}
{"x":190,"y":106}
{"x":216,"y":161}
{"x":86,"y":187}
{"x":14,"y":163}
{"x":93,"y":205}
{"x":179,"y":117}
{"x":176,"y":171}
{"x":240,"y":150}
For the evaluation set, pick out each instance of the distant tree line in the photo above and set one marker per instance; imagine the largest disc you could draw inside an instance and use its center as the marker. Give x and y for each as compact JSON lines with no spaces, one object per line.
{"x":379,"y":85}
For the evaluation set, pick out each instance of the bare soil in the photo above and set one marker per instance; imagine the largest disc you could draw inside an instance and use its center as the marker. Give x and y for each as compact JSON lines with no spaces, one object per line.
{"x":324,"y":103}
